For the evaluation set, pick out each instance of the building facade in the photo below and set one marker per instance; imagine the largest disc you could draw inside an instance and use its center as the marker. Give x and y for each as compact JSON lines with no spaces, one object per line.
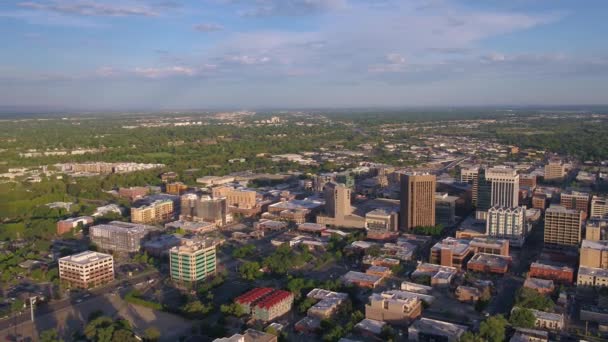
{"x":563,"y":226}
{"x":599,"y":207}
{"x":417,"y":201}
{"x":193,"y":261}
{"x":575,"y":200}
{"x":120,"y":236}
{"x":445,"y":209}
{"x":555,"y":170}
{"x":505,"y":187}
{"x":392,"y":308}
{"x":87,"y":269}
{"x":157,"y":211}
{"x":507,"y":223}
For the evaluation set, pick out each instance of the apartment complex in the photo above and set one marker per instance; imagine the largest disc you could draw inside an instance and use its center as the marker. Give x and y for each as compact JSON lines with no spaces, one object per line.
{"x":266,"y":304}
{"x":392,"y":308}
{"x":87,"y":269}
{"x":120,"y":236}
{"x":67,"y":225}
{"x":193,"y":261}
{"x":599,"y":207}
{"x":417,"y":200}
{"x":555,"y":170}
{"x":507,"y":223}
{"x":157,"y":211}
{"x":563,"y":226}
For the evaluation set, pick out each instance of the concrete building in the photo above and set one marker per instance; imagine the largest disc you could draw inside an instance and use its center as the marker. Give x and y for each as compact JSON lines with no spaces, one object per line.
{"x":393,"y":309}
{"x":417,"y":201}
{"x":575,"y":200}
{"x":381,"y":223}
{"x":527,"y":181}
{"x":467,"y":294}
{"x":596,"y":229}
{"x":67,"y":225}
{"x":120,"y":236}
{"x":297,"y":211}
{"x":445,"y":209}
{"x":599,"y":207}
{"x":133,"y":193}
{"x":362,"y":279}
{"x":441,"y":276}
{"x":592,"y":277}
{"x":451,"y":252}
{"x":328,"y":303}
{"x":539,"y":201}
{"x":250,"y":335}
{"x":426,"y":329}
{"x":212,"y":210}
{"x":594,"y":254}
{"x":87,"y":269}
{"x":529,"y":335}
{"x":176,"y":188}
{"x":507,"y":223}
{"x":563,"y":226}
{"x":548,"y":320}
{"x":266,"y":304}
{"x":555,"y":170}
{"x":338,"y":208}
{"x":557,"y":273}
{"x":505,"y":186}
{"x":157,"y":211}
{"x":193,"y":261}
{"x":542,"y":286}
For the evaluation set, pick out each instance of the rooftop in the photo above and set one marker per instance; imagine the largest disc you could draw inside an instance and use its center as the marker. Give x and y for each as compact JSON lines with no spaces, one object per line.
{"x":491,"y":260}
{"x":601,"y":245}
{"x":592,"y":271}
{"x":194,"y":245}
{"x":439,"y":327}
{"x":85,"y":257}
{"x":354,"y":276}
{"x":297,"y":204}
{"x":371,"y":325}
{"x":458,"y":246}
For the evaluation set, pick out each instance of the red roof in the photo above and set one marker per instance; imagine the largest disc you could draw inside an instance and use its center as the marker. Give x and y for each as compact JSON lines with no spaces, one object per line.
{"x":253,"y":295}
{"x":273,"y":299}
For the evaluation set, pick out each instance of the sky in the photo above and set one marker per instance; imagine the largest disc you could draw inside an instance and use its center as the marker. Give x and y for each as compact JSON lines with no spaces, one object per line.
{"x":200,"y":54}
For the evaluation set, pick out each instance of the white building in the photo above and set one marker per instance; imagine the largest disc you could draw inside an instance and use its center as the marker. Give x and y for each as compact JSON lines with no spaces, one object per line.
{"x":507,"y":223}
{"x":505,"y":186}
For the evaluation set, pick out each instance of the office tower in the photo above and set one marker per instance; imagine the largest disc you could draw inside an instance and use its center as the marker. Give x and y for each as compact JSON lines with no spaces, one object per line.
{"x":445,"y":209}
{"x":507,"y":223}
{"x":157,"y":211}
{"x":188,"y":206}
{"x":471,"y":176}
{"x":484,"y":195}
{"x":87,"y":269}
{"x":417,"y":200}
{"x":555,"y":170}
{"x":193,"y":261}
{"x":563,"y":226}
{"x":575,"y":200}
{"x":120,"y":236}
{"x":337,"y":200}
{"x":505,"y":187}
{"x":599,"y":207}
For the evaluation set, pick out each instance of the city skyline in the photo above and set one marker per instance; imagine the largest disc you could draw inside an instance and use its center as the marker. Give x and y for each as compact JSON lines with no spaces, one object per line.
{"x":300,"y":53}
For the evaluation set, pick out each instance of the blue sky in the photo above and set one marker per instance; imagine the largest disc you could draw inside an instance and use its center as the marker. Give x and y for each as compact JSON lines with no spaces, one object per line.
{"x":171,"y":54}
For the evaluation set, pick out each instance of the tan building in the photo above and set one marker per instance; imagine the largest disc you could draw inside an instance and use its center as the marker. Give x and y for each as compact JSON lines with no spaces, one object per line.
{"x":176,"y":188}
{"x":594,"y":254}
{"x":599,"y":207}
{"x":555,"y":170}
{"x":338,"y":208}
{"x":87,"y":269}
{"x":593,"y":277}
{"x":392,"y":308}
{"x":575,"y":200}
{"x":563,"y":226}
{"x":244,"y":199}
{"x":451,"y":252}
{"x":381,"y":221}
{"x":527,"y":180}
{"x":417,"y":201}
{"x":548,"y":320}
{"x":595,"y":229}
{"x":157,"y":211}
{"x":539,"y":201}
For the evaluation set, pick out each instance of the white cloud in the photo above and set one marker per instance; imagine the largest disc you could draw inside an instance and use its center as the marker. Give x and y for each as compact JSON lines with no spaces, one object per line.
{"x":89,"y":8}
{"x":208,"y":27}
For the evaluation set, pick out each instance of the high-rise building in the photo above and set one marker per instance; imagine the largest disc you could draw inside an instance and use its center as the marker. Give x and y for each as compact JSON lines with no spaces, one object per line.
{"x":445,"y":209}
{"x":157,"y":211}
{"x":555,"y":170}
{"x":212,"y":210}
{"x":505,"y":186}
{"x":599,"y":207}
{"x":575,"y":200}
{"x":563,"y":226}
{"x":417,"y":200}
{"x":337,"y":200}
{"x":507,"y":223}
{"x":484,"y":195}
{"x":87,"y":269}
{"x":193,"y":261}
{"x":471,"y":176}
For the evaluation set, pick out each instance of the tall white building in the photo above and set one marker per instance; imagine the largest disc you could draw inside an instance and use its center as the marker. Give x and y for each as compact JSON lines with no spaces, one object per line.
{"x":505,"y":187}
{"x":507,"y":223}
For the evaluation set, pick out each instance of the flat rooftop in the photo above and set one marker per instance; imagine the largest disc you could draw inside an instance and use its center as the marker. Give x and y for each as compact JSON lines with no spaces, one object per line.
{"x":598,"y":245}
{"x":85,"y":257}
{"x":491,"y":260}
{"x":354,"y":276}
{"x":439,"y":327}
{"x":297,"y":205}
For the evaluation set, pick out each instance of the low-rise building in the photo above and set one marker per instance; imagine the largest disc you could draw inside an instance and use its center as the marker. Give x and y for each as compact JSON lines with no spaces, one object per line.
{"x":67,"y":225}
{"x":548,"y":320}
{"x":451,"y":252}
{"x":362,"y":279}
{"x":467,"y":294}
{"x":87,"y":269}
{"x":370,"y":327}
{"x":529,"y":335}
{"x":120,"y":236}
{"x":426,"y":329}
{"x":328,"y":303}
{"x":157,"y":211}
{"x":382,"y":224}
{"x":176,"y":188}
{"x":266,"y":304}
{"x":592,"y":277}
{"x":599,"y":207}
{"x":133,"y":193}
{"x":542,"y":286}
{"x":250,"y":335}
{"x":558,"y":273}
{"x":441,"y":276}
{"x":594,"y":254}
{"x":491,"y":263}
{"x":392,"y":308}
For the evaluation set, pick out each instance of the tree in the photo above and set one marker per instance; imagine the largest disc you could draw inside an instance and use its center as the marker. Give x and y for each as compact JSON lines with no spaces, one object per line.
{"x":250,"y":270}
{"x":531,"y":299}
{"x":471,"y":337}
{"x":233,"y":309}
{"x":522,"y":318}
{"x":306,"y":304}
{"x":152,"y":334}
{"x":123,"y":335}
{"x":493,"y":328}
{"x":50,"y":335}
